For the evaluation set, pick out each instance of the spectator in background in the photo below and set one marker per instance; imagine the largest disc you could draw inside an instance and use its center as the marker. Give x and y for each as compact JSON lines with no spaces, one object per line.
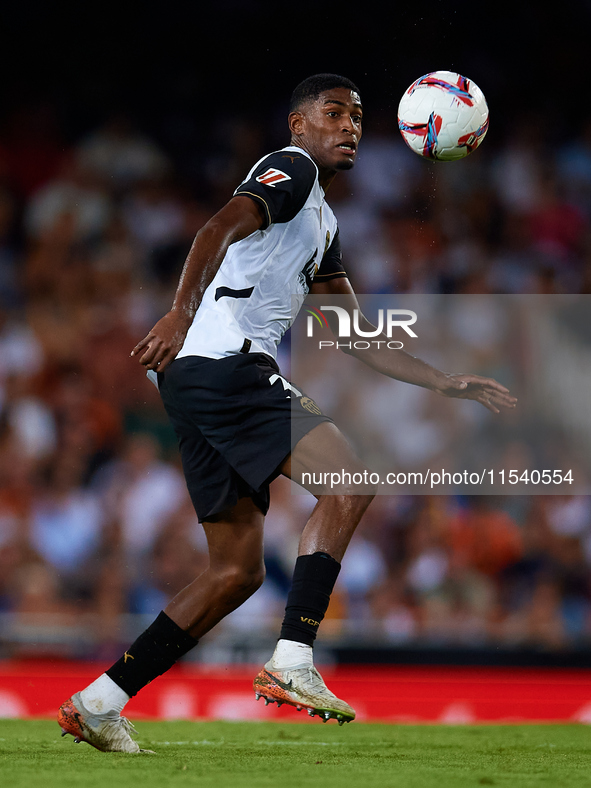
{"x":33,"y":147}
{"x":66,"y":522}
{"x":177,"y":554}
{"x":28,"y":418}
{"x":21,"y":352}
{"x":85,"y":423}
{"x":363,"y":570}
{"x":76,"y":192}
{"x":121,"y":155}
{"x":154,"y":214}
{"x":92,"y":232}
{"x":558,"y":230}
{"x":516,"y":169}
{"x":484,"y":537}
{"x":10,"y":280}
{"x":573,"y":169}
{"x":141,"y":491}
{"x":394,"y":612}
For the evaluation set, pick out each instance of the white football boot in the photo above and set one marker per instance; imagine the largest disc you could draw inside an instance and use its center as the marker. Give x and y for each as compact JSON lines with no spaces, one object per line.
{"x":304,"y":688}
{"x":108,"y":732}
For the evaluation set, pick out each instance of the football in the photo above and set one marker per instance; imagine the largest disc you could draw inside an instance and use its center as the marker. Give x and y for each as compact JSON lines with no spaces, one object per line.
{"x":443,"y":116}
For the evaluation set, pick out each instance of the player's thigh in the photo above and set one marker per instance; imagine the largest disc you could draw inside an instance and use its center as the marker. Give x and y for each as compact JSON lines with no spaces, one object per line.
{"x":324,"y":462}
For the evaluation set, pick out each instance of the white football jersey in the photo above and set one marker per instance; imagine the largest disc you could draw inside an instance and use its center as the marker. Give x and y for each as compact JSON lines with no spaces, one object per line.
{"x":248,"y":305}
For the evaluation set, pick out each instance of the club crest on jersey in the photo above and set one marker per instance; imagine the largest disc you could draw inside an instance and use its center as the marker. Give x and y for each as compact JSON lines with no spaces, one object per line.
{"x":272,"y":177}
{"x":308,"y":404}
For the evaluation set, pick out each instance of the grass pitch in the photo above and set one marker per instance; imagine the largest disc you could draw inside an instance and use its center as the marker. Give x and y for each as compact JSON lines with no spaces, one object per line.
{"x":258,"y":755}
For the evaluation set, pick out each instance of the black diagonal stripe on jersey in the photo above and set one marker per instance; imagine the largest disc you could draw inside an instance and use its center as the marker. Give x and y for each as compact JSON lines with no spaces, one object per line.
{"x":231,"y":293}
{"x":307,"y":273}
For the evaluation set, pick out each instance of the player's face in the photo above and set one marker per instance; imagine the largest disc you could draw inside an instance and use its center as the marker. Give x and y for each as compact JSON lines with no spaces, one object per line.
{"x":330,"y":128}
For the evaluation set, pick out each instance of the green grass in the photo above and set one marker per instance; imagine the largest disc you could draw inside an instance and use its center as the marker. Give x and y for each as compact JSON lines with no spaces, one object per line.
{"x":257,"y":755}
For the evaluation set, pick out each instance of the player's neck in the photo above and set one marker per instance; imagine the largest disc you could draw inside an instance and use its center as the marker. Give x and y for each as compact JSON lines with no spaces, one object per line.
{"x":325,"y":178}
{"x":325,"y":175}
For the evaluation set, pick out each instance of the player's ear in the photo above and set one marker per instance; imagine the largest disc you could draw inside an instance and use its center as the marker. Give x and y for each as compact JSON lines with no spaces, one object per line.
{"x":295,"y":121}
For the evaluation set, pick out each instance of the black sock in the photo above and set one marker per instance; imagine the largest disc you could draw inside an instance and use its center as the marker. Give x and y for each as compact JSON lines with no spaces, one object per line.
{"x":314,"y":577}
{"x":152,"y":654}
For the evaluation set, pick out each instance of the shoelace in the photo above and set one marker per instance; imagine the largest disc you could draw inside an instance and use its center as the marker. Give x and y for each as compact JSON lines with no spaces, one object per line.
{"x":316,"y":681}
{"x":128,"y":726}
{"x":121,"y":725}
{"x":130,"y":729}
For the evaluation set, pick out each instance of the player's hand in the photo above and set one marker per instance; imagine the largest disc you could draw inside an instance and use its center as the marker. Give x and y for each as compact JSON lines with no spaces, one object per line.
{"x":487,"y":391}
{"x":161,"y":345}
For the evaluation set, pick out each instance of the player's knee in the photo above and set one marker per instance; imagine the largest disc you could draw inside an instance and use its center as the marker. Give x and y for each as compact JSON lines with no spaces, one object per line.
{"x":257,"y":577}
{"x":358,"y":495}
{"x":360,"y":484}
{"x":353,"y":505}
{"x":345,"y":508}
{"x":243,"y":581}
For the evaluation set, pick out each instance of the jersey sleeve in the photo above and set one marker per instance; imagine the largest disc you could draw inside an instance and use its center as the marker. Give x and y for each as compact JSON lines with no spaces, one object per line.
{"x":281,"y":184}
{"x":331,"y":266}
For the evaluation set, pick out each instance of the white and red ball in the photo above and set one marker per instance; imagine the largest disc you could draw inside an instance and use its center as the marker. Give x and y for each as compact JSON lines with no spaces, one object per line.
{"x":443,"y":116}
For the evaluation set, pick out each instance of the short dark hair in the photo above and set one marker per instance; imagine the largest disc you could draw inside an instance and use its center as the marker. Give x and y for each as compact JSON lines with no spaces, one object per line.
{"x":313,"y":86}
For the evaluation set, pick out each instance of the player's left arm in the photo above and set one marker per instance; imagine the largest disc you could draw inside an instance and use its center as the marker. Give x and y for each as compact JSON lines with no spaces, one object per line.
{"x":403,"y":366}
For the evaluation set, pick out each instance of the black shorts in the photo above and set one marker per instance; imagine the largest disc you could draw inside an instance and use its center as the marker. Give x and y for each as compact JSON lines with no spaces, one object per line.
{"x":236,"y":424}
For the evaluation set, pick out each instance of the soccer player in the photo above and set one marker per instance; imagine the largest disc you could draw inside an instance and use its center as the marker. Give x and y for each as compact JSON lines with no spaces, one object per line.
{"x":240,"y":423}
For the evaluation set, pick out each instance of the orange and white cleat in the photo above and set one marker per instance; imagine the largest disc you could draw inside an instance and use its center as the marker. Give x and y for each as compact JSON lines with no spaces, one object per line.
{"x":304,"y":688}
{"x":107,"y":732}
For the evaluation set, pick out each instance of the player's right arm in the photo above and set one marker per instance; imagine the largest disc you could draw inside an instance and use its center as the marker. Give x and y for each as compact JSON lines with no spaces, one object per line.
{"x":238,"y":219}
{"x":275,"y":191}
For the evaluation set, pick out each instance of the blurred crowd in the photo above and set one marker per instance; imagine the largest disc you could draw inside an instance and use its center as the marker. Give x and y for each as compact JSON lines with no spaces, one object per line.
{"x":95,"y":521}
